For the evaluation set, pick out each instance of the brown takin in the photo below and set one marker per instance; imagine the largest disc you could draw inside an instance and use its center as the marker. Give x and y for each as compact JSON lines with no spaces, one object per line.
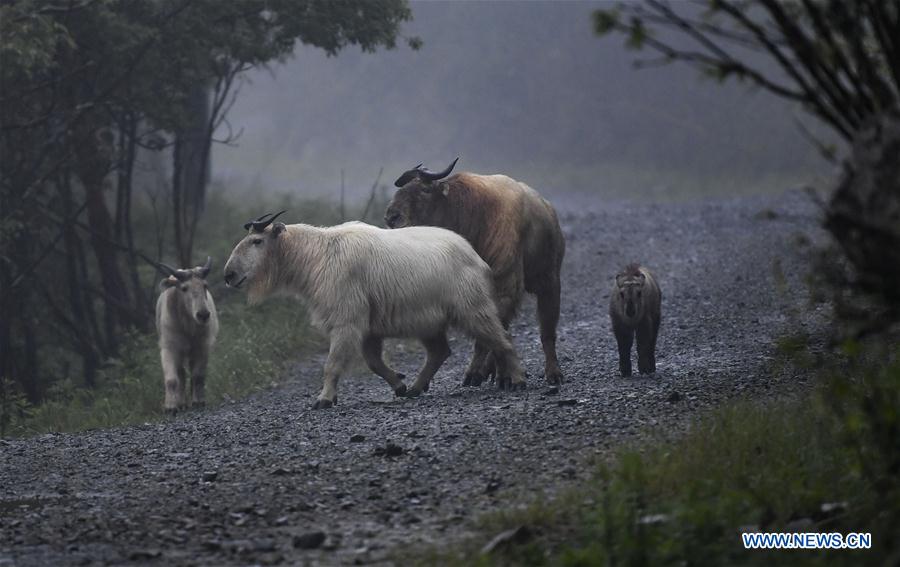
{"x":510,"y":226}
{"x":187,"y":324}
{"x":635,"y":309}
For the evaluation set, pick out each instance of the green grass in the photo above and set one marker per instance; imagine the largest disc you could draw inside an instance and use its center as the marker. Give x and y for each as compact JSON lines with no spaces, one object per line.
{"x":750,"y":465}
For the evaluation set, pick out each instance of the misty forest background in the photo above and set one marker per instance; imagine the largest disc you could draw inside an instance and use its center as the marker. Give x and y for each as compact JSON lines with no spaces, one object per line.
{"x":138,"y":132}
{"x":135,"y":133}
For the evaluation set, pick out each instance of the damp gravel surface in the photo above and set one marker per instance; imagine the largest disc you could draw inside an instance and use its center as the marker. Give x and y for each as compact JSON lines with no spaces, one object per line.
{"x":267,"y":480}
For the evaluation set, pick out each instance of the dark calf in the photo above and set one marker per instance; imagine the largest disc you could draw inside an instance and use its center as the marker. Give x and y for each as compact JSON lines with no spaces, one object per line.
{"x":635,"y":310}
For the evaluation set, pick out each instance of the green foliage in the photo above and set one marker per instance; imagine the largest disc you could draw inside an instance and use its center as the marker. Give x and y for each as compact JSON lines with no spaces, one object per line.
{"x":865,"y":396}
{"x":605,"y":21}
{"x":14,"y":406}
{"x":748,"y":466}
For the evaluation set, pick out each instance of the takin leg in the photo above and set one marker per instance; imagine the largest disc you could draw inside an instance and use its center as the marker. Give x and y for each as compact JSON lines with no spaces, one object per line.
{"x":345,"y":344}
{"x":172,"y":372}
{"x":475,"y":372}
{"x":646,"y":346}
{"x":507,"y":305}
{"x":548,"y":317}
{"x":182,"y":385}
{"x":438,"y":350}
{"x":372,"y":349}
{"x":199,"y":360}
{"x":485,"y":328}
{"x":624,"y":338}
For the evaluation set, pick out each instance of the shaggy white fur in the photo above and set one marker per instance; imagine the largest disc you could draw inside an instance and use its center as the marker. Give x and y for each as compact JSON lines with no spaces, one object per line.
{"x":363,"y":284}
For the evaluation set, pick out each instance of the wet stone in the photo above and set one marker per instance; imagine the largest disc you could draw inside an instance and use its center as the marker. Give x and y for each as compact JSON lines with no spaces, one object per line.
{"x":310,"y":540}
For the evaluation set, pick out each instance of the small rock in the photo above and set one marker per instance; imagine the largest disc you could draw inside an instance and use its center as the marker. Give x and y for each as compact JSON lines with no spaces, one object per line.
{"x":144,"y":554}
{"x":264,"y":545}
{"x":492,"y":487}
{"x":357,"y":438}
{"x":210,"y":476}
{"x":674,"y":397}
{"x":551,"y":391}
{"x":519,"y":535}
{"x":310,"y":540}
{"x":280,"y":471}
{"x":389,"y":450}
{"x":569,"y":402}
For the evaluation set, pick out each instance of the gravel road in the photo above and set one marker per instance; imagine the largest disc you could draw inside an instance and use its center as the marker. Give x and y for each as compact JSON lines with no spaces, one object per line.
{"x":269,"y":481}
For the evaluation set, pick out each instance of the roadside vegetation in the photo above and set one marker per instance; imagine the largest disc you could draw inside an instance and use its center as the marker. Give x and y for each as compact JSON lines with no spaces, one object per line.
{"x":821,"y":461}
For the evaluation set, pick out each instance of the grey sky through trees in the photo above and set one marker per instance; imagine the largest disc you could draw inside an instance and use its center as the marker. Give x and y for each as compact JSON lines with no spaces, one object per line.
{"x":523,"y":88}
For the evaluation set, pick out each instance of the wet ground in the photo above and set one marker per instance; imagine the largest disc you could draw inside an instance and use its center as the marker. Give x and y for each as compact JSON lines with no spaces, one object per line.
{"x":269,"y":481}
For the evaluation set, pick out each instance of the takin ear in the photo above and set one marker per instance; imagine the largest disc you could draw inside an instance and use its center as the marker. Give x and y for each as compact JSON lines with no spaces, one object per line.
{"x":620,"y":280}
{"x":643,"y":277}
{"x":168,"y":282}
{"x":278,"y":228}
{"x":445,"y":188}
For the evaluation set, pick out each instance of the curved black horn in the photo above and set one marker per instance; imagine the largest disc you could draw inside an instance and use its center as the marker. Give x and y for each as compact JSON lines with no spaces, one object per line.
{"x":423,"y":174}
{"x":181,"y":275}
{"x":260,"y":224}
{"x":249,"y":223}
{"x":204,"y":271}
{"x":428,"y":175}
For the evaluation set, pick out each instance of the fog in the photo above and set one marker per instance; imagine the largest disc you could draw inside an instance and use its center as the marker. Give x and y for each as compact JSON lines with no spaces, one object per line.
{"x":522,"y":88}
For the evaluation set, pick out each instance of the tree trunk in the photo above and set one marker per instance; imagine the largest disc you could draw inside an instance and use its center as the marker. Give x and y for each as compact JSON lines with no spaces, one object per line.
{"x":94,"y":158}
{"x":190,"y":173}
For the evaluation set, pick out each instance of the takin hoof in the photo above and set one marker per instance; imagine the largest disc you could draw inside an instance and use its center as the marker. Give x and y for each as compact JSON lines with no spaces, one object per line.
{"x":473,"y":379}
{"x":508,"y":384}
{"x":554,"y":378}
{"x":324,"y":404}
{"x":198,"y":405}
{"x":171,"y":412}
{"x":414,"y":391}
{"x":400,"y":390}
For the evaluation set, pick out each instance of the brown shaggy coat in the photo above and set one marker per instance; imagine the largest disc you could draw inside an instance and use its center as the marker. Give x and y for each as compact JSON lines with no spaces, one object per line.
{"x":513,"y":229}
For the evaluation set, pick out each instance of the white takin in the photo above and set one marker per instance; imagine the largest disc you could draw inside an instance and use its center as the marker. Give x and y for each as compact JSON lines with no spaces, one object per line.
{"x":364,"y":284}
{"x":187,"y":323}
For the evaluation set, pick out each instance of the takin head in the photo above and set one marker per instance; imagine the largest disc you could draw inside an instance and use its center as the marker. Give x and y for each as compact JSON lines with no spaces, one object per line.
{"x":249,"y":254}
{"x":417,"y":200}
{"x":630,"y":289}
{"x":192,"y":286}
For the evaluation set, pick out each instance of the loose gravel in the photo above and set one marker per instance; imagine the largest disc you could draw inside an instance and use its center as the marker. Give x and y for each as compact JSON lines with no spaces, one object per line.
{"x":267,"y":480}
